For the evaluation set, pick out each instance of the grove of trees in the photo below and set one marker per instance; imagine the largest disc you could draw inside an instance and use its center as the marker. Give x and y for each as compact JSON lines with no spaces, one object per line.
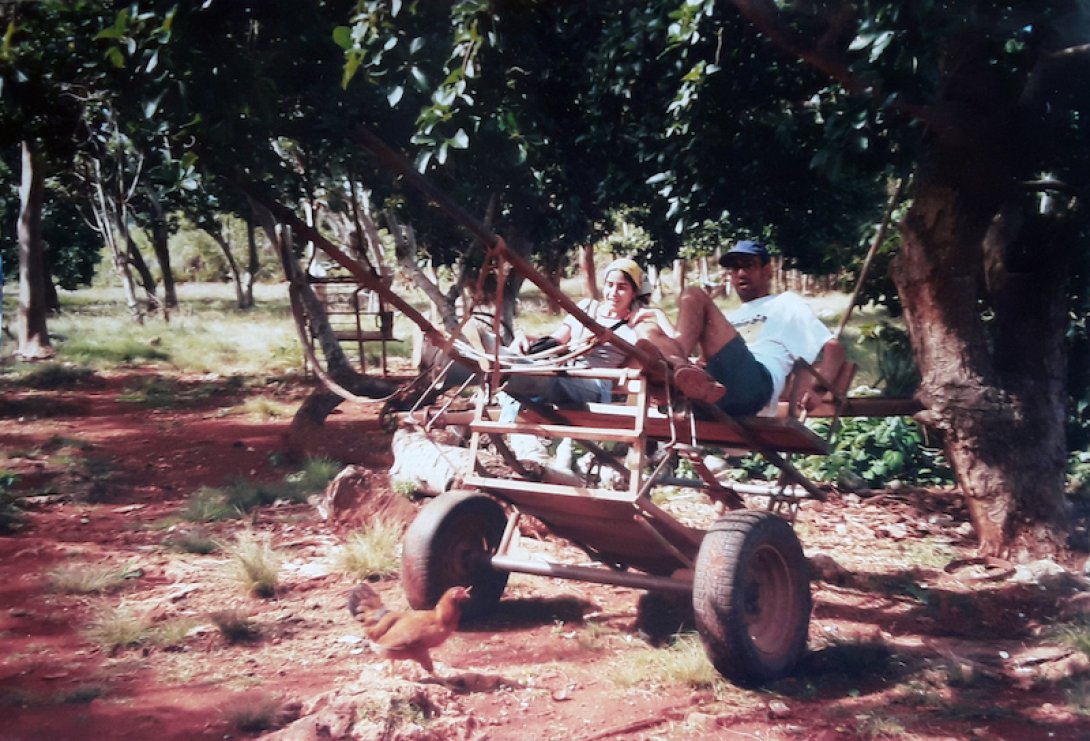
{"x":699,"y":120}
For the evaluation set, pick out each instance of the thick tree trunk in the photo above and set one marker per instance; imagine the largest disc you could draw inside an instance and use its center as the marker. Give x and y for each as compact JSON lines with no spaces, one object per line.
{"x":984,"y":306}
{"x":31,"y":328}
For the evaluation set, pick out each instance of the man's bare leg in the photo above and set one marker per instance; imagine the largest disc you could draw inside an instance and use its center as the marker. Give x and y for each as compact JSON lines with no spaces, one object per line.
{"x":699,"y":323}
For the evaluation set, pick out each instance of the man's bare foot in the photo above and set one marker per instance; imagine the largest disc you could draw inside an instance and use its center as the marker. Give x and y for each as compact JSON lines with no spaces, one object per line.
{"x":698,"y":385}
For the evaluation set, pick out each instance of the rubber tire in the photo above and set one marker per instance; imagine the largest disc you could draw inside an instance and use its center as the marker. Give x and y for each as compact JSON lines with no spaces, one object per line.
{"x":751,"y":597}
{"x":451,"y":543}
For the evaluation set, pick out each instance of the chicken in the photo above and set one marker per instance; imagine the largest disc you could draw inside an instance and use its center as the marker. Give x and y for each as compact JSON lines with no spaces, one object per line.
{"x":407,"y":634}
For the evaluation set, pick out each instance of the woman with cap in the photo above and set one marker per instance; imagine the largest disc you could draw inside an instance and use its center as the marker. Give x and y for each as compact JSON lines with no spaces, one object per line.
{"x":625,"y":295}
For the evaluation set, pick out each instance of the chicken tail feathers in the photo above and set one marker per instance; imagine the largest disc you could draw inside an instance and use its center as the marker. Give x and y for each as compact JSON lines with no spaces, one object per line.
{"x":363,"y":602}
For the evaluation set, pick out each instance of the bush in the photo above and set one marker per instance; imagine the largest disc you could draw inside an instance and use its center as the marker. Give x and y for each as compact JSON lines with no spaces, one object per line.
{"x":870,"y":450}
{"x":879,"y":450}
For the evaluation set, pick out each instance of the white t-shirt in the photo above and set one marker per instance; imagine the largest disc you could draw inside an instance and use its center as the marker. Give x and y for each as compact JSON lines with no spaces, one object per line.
{"x":777,"y":330}
{"x":604,"y":354}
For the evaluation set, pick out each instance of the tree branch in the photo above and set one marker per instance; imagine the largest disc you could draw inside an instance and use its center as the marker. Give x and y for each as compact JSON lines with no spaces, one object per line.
{"x":766,"y":18}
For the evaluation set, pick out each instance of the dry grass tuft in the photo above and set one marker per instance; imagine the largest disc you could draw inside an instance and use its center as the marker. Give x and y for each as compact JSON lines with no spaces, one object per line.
{"x":89,"y":578}
{"x":254,"y":563}
{"x":373,"y":552}
{"x":235,"y":626}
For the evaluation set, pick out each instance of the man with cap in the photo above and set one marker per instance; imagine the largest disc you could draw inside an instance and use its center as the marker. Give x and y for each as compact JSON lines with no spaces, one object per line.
{"x":747,"y":353}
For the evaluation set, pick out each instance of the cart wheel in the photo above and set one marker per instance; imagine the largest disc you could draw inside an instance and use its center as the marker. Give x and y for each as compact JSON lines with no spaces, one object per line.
{"x":451,"y":543}
{"x":751,"y":597}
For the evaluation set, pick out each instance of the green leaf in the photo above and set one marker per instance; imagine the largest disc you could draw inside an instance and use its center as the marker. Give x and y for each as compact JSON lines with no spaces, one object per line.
{"x":342,"y":37}
{"x":394,"y":96}
{"x":419,"y":78}
{"x":115,"y":57}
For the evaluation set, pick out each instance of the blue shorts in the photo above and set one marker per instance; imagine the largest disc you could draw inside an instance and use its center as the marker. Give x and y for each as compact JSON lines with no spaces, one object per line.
{"x":749,"y":384}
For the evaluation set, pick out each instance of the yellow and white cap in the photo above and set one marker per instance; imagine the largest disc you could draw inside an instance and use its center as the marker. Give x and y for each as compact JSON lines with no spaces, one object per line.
{"x":632,"y":269}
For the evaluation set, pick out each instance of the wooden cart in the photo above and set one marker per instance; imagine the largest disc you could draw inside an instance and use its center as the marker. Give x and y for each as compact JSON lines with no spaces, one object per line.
{"x":746,"y":572}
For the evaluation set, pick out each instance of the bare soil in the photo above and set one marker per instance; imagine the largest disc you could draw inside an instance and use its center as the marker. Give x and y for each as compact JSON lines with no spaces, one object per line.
{"x":904,"y":643}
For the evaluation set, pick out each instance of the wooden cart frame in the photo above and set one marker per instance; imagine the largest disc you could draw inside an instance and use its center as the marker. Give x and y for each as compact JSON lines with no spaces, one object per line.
{"x":746,"y":572}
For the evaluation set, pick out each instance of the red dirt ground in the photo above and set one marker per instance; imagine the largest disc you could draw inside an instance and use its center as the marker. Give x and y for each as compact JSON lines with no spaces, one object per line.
{"x":899,"y":647}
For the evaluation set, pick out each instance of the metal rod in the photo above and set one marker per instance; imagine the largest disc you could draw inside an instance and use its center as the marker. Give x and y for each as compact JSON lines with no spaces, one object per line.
{"x":594,"y":574}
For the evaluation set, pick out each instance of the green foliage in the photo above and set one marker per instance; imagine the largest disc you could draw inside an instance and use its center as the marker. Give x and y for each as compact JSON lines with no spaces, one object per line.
{"x":1078,"y":473}
{"x":868,"y":451}
{"x":52,"y":376}
{"x":898,"y":375}
{"x":210,"y":504}
{"x":879,"y":450}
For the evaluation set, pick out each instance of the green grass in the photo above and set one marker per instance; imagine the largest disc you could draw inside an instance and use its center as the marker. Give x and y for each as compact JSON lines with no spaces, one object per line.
{"x":265,"y":409}
{"x":206,"y":334}
{"x":683,"y":663}
{"x":11,"y":514}
{"x":53,"y":376}
{"x":1075,"y":633}
{"x":211,"y":504}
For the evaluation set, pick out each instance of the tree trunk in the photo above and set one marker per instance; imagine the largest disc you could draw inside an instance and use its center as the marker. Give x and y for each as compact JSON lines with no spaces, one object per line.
{"x":159,"y":236}
{"x":105,"y":218}
{"x":252,"y":264}
{"x":33,"y":335}
{"x":681,"y":269}
{"x":994,"y":385}
{"x":236,"y":276}
{"x":590,"y":274}
{"x":147,"y":280}
{"x":307,"y":424}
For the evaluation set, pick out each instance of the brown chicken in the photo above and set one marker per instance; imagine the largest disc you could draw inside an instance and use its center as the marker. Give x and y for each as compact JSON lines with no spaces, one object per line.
{"x":407,"y":634}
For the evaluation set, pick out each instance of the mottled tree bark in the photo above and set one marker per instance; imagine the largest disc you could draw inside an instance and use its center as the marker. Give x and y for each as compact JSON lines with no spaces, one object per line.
{"x":33,"y":336}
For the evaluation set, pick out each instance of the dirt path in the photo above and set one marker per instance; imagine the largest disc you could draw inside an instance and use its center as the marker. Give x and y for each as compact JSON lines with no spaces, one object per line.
{"x":900,"y":648}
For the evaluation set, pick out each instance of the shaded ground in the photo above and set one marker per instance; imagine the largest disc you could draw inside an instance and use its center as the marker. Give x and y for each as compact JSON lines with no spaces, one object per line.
{"x":900,"y":647}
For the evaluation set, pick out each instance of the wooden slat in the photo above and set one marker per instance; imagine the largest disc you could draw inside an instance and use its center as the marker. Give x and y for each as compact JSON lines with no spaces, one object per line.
{"x":776,"y":433}
{"x":582,"y":432}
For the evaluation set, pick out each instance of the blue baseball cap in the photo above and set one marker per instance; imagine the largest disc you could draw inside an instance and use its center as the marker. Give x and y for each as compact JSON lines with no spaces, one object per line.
{"x":745,"y":247}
